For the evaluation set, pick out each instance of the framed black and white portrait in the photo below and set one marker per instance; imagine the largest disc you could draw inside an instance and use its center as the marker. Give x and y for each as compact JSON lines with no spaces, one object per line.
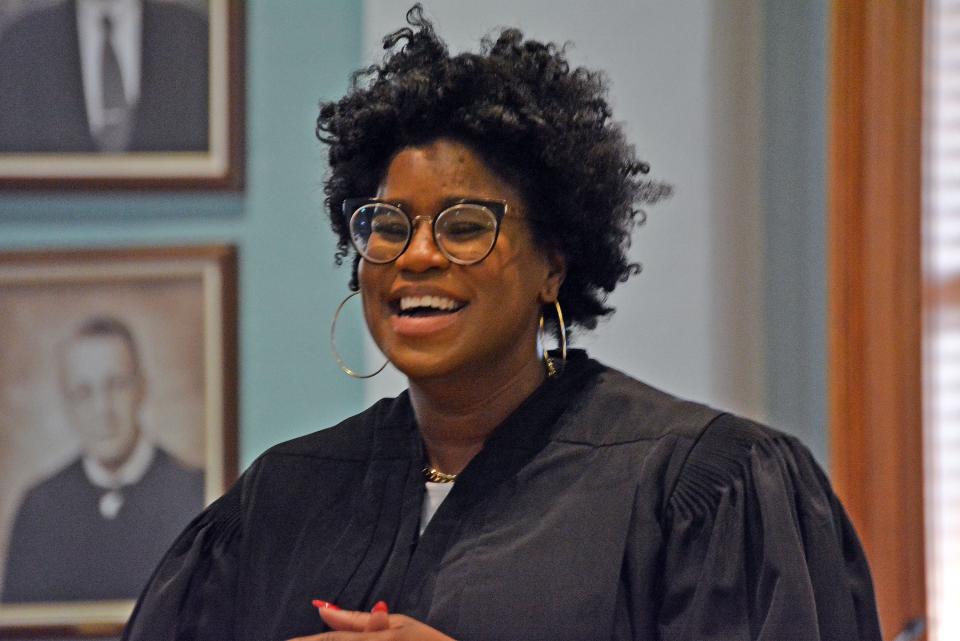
{"x":121,"y":93}
{"x":117,"y":422}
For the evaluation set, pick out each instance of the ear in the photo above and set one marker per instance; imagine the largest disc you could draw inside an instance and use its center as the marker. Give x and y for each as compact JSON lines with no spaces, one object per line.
{"x":556,"y":272}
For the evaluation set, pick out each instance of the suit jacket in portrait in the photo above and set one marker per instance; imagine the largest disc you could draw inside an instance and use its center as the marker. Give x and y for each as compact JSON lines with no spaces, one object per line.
{"x":42,"y":106}
{"x":63,"y":549}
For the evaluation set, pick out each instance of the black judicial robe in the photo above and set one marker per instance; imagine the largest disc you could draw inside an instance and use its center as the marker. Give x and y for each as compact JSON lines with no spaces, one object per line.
{"x":600,"y":509}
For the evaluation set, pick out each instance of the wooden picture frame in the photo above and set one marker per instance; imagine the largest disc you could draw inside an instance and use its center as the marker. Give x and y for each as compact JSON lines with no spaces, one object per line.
{"x":174,"y":381}
{"x":184,"y":124}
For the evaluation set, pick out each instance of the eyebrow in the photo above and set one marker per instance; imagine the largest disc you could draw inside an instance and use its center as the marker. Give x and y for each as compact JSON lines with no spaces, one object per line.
{"x":449,"y":201}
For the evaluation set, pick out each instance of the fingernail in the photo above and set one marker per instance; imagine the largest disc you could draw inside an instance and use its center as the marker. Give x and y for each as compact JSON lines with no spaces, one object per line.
{"x":381,"y":606}
{"x":324,"y":605}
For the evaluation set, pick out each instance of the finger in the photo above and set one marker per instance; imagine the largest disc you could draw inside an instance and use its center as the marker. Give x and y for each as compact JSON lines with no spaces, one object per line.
{"x":379,"y":618}
{"x":348,"y":620}
{"x":346,"y":636}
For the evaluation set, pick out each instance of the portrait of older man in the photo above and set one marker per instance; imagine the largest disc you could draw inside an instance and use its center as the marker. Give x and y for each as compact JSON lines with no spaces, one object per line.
{"x":95,"y":528}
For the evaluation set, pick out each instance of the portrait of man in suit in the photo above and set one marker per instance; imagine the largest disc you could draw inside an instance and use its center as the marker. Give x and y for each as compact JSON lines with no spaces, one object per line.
{"x":105,"y":76}
{"x":96,"y":527}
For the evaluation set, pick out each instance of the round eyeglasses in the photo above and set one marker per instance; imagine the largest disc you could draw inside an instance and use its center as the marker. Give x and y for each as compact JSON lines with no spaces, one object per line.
{"x":465,"y":232}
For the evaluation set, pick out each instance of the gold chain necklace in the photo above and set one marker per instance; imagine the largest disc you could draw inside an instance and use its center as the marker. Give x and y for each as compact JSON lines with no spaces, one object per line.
{"x":434,"y":475}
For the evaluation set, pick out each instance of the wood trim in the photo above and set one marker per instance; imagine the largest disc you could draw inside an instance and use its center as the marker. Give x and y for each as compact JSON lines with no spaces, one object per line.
{"x":875,"y":288}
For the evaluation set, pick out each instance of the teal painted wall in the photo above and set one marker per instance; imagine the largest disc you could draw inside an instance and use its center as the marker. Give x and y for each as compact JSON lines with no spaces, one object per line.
{"x":794,"y":205}
{"x":297,"y":53}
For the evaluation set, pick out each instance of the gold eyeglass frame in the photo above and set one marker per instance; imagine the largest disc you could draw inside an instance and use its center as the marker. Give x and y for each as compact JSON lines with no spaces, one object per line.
{"x":352,"y":207}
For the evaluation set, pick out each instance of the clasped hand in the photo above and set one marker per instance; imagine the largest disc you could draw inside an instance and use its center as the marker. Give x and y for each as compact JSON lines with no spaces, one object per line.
{"x":378,"y":625}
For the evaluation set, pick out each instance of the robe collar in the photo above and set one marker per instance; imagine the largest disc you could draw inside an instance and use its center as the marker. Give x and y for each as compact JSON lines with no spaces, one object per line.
{"x":384,"y":548}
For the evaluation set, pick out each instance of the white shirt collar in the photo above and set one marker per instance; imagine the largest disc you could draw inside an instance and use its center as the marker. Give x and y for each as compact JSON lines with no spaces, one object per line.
{"x":132,"y":470}
{"x":435,"y":495}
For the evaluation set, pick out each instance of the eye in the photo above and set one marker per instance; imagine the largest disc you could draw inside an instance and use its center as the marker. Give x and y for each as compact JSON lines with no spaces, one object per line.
{"x":462,"y":230}
{"x":389,"y":228}
{"x":121,"y":383}
{"x":80,"y":393}
{"x":466,"y":223}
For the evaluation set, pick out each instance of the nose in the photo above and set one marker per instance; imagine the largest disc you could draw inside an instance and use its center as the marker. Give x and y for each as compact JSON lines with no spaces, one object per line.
{"x":422,"y":254}
{"x":102,"y":406}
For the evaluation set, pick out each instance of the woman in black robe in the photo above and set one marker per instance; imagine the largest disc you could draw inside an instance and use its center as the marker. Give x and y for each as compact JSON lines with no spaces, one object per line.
{"x":479,"y":191}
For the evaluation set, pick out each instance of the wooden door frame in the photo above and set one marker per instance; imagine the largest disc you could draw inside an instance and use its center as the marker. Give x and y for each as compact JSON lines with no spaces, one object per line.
{"x":875,"y":291}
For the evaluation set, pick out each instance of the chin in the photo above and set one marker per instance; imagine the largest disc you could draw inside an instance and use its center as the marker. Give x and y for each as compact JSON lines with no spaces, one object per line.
{"x":423,"y":364}
{"x":112,"y":455}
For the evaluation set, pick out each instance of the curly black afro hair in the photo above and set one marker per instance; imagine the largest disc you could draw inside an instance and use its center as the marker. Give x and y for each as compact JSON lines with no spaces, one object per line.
{"x":543,"y":127}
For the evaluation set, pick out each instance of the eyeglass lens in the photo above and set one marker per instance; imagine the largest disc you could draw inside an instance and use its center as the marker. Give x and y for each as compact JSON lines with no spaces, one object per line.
{"x":465,"y":233}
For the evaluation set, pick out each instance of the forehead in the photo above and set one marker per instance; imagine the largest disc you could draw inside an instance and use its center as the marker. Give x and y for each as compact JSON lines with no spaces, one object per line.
{"x":92,"y":354}
{"x":441,"y":170}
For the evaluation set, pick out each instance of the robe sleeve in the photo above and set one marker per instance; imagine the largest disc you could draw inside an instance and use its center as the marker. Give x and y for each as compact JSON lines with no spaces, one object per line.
{"x":758,"y":546}
{"x":191,"y":593}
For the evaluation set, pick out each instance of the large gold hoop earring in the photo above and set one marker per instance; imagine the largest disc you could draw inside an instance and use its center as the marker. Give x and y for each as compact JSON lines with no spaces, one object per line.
{"x":333,"y":344}
{"x":548,"y":361}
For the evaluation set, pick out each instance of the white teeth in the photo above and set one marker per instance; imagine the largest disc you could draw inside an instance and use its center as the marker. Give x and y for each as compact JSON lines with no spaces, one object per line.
{"x":434,"y":302}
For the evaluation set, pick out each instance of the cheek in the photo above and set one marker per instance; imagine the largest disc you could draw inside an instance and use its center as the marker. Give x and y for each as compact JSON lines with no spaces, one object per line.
{"x":366,"y":282}
{"x":369,"y":309}
{"x":368,"y":276}
{"x":82,"y":410}
{"x":519,"y":271}
{"x":82,"y":419}
{"x":129,"y":405}
{"x":371,"y":279}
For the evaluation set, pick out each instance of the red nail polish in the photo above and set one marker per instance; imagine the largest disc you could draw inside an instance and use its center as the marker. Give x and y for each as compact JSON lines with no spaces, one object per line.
{"x":381,"y":606}
{"x":324,"y":605}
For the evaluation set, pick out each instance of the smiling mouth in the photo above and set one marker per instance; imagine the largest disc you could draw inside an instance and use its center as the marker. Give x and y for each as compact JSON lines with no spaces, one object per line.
{"x":423,"y":306}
